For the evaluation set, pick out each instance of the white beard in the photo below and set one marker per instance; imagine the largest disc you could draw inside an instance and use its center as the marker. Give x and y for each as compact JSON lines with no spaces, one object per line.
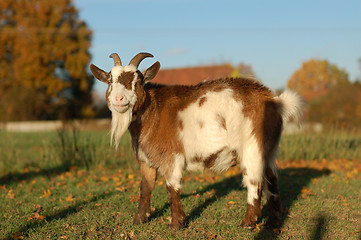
{"x":120,"y":124}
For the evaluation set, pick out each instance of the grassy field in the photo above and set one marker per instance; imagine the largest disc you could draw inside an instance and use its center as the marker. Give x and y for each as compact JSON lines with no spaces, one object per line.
{"x":72,"y":185}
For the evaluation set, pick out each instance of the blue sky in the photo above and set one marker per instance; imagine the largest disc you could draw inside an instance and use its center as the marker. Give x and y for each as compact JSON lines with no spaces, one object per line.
{"x":274,"y":37}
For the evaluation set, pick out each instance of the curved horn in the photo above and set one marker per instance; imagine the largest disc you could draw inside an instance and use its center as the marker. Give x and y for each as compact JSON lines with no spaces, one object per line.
{"x":116,"y":58}
{"x":138,"y":58}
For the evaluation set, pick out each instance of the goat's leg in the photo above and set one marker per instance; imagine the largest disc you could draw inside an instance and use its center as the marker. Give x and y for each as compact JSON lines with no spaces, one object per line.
{"x":253,"y":169}
{"x":254,"y":195}
{"x":149,"y":176}
{"x":273,"y":198}
{"x":177,"y":213}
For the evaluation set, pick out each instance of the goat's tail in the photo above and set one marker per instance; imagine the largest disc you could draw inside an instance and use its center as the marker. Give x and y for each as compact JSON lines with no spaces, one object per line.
{"x":291,"y":106}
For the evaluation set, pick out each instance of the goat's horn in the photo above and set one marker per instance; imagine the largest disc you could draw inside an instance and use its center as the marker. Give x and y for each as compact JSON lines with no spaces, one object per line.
{"x":116,"y":58}
{"x":138,"y":58}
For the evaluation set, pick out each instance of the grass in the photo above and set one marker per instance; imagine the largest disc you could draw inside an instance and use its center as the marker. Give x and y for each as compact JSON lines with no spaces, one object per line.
{"x":47,"y":196}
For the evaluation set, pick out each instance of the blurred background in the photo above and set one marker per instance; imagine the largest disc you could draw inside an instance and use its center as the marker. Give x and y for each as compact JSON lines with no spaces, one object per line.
{"x":46,"y":47}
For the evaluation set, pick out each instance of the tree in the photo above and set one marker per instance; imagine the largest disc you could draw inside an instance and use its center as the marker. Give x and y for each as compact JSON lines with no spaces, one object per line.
{"x":43,"y":61}
{"x":341,"y":105}
{"x":316,"y":77}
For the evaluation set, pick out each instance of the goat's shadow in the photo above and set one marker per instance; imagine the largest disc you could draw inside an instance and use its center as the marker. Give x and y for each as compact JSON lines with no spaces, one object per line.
{"x":291,"y":183}
{"x":16,"y":177}
{"x":63,"y":213}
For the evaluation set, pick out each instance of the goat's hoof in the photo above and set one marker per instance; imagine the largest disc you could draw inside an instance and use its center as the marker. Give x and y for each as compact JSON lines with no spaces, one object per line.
{"x":176,"y":225}
{"x":138,"y":219}
{"x":273,"y":222}
{"x":246,"y":223}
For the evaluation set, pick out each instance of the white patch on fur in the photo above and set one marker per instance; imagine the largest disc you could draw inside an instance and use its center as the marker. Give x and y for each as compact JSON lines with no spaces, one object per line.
{"x":120,"y":124}
{"x":252,"y":164}
{"x":121,"y":115}
{"x":291,"y":106}
{"x":176,"y":175}
{"x":203,"y":135}
{"x":118,"y":89}
{"x":118,"y":70}
{"x":143,"y":157}
{"x":223,"y":162}
{"x":252,"y":193}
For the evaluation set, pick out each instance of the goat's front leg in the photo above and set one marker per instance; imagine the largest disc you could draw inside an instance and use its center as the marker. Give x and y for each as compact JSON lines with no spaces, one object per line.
{"x":177,"y":213}
{"x":149,"y":176}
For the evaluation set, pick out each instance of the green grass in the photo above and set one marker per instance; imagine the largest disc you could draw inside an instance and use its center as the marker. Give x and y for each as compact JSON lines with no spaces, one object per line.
{"x":331,"y":145}
{"x":45,"y":195}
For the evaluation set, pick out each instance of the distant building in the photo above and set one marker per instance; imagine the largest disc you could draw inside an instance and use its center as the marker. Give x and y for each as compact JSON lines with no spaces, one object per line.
{"x":192,"y":75}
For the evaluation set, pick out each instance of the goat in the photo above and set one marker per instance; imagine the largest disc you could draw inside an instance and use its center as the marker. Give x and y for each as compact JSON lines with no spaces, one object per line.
{"x":215,"y":125}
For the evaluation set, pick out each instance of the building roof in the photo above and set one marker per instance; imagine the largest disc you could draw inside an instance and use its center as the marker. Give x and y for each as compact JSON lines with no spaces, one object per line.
{"x":192,"y":75}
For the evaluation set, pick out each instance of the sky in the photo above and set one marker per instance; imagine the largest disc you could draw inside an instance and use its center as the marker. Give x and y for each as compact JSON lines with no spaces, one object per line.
{"x":274,"y":37}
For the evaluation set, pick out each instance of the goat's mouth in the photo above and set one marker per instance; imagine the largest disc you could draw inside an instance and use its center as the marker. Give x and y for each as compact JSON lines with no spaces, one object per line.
{"x":120,"y":108}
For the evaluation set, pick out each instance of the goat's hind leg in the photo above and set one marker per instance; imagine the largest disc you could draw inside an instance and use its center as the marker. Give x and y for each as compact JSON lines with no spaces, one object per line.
{"x":254,"y":196}
{"x":273,"y":198}
{"x":253,"y":166}
{"x":149,"y":176}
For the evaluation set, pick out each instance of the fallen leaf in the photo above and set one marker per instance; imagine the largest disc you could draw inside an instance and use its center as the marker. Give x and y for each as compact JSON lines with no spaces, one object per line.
{"x":70,"y":198}
{"x":104,"y":179}
{"x":36,"y":216}
{"x":46,"y":193}
{"x":11,"y":194}
{"x":120,"y":189}
{"x":17,"y":236}
{"x":307,"y":192}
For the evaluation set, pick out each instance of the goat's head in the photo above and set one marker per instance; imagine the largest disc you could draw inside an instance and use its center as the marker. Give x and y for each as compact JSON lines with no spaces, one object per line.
{"x":125,"y":92}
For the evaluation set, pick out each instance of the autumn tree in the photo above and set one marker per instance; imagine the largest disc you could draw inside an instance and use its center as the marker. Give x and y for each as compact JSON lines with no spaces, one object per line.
{"x":341,"y":105}
{"x":43,"y":61}
{"x":316,"y":77}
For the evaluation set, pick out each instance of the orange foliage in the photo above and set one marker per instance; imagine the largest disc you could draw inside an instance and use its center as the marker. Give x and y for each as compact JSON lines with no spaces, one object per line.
{"x":316,"y":77}
{"x":43,"y":60}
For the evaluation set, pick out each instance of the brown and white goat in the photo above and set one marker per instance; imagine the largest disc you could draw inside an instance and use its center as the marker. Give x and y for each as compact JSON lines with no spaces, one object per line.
{"x":215,"y":125}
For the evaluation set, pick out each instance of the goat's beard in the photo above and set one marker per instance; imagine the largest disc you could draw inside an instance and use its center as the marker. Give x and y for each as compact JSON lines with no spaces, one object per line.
{"x":120,"y":124}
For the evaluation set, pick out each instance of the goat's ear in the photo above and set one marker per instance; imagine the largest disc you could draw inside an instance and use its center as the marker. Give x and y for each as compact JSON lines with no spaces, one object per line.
{"x":151,"y":72}
{"x":99,"y":73}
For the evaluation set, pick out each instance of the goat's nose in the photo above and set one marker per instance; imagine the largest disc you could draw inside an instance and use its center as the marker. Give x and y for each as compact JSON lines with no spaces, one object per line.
{"x":119,"y":99}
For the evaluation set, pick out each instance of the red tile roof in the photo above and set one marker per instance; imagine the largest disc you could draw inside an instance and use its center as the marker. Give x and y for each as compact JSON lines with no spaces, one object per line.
{"x":192,"y":75}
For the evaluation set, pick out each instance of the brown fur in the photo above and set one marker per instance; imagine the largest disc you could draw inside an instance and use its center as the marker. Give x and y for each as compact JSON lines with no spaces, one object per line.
{"x":202,"y":100}
{"x":126,"y":79}
{"x":162,"y":103}
{"x":146,"y":188}
{"x":274,"y":201}
{"x":156,"y":131}
{"x":210,"y":160}
{"x":222,"y":121}
{"x":253,"y":211}
{"x":156,"y":125}
{"x":177,"y":213}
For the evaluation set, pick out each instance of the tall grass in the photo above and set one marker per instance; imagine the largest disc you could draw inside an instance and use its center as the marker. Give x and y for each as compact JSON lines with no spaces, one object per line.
{"x":73,"y":150}
{"x":62,"y":149}
{"x":330,"y":145}
{"x":67,"y":148}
